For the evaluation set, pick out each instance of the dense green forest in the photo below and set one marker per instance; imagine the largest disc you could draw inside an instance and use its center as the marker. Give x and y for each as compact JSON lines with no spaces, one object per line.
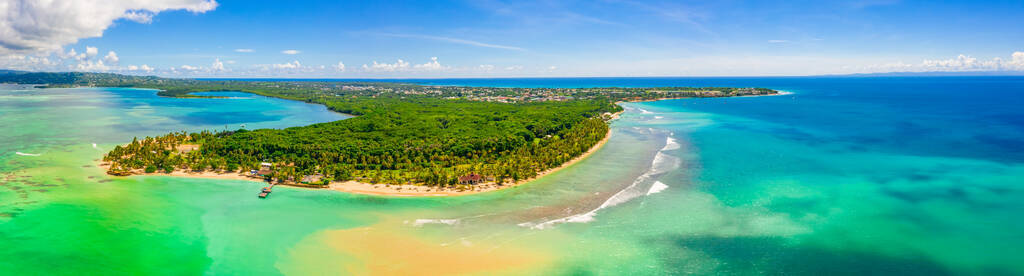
{"x":424,"y":141}
{"x":403,"y":133}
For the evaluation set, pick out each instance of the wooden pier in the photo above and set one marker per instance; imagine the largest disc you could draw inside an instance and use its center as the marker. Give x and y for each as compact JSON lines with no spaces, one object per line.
{"x":266,"y":191}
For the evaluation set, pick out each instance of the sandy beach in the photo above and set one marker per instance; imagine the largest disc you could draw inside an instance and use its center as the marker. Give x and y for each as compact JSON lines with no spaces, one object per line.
{"x":356,"y":187}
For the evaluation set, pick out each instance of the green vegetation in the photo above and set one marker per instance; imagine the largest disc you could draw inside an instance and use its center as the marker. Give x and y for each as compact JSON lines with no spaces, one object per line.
{"x":404,"y":133}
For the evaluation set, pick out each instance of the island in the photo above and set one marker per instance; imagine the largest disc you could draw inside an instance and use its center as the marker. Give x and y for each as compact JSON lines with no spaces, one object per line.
{"x":405,"y":138}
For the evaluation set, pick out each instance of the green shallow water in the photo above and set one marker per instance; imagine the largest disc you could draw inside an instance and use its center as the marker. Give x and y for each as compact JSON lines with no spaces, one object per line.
{"x":681,"y":187}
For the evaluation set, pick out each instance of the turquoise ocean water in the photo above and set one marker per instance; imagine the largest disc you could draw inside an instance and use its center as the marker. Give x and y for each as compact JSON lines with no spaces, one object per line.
{"x":907,"y":175}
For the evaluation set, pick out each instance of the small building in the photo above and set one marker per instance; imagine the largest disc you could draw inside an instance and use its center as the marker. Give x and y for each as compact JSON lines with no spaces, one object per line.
{"x":264,"y":169}
{"x":470,"y":179}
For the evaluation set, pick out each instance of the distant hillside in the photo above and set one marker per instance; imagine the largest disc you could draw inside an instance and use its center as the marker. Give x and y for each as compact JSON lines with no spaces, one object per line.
{"x":6,"y":72}
{"x":73,"y":78}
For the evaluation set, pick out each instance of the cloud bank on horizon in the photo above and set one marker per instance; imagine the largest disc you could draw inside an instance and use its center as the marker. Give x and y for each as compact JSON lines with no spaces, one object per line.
{"x":207,"y":38}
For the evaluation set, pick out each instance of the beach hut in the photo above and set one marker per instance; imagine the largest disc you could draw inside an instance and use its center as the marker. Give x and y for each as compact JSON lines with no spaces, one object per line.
{"x":470,"y":179}
{"x":265,"y":169}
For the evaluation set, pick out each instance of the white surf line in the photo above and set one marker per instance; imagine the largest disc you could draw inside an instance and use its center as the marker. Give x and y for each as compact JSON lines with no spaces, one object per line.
{"x":421,"y":222}
{"x":657,"y":188}
{"x":27,"y":154}
{"x":661,"y":164}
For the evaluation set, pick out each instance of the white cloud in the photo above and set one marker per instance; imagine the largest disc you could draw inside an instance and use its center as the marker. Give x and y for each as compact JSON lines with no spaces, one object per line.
{"x":189,"y":68}
{"x":111,"y":58}
{"x":24,"y":62}
{"x":291,"y":52}
{"x":244,"y":50}
{"x":400,"y":65}
{"x":31,"y":26}
{"x":960,"y":63}
{"x":217,"y":65}
{"x":552,"y":68}
{"x":486,"y":67}
{"x":433,"y":65}
{"x":92,"y":66}
{"x":287,"y":65}
{"x":91,"y":51}
{"x":340,"y":66}
{"x":514,"y":68}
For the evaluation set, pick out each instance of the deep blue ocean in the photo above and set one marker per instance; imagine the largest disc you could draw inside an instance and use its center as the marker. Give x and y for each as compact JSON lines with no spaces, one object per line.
{"x":846,"y":175}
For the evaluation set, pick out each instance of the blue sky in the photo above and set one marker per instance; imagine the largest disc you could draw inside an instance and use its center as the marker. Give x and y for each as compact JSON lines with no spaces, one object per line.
{"x":199,"y":38}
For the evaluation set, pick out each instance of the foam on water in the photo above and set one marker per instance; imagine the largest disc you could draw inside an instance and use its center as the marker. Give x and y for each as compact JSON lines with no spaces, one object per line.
{"x":421,"y":222}
{"x":670,"y":144}
{"x":657,"y":187}
{"x":27,"y":154}
{"x":661,"y":164}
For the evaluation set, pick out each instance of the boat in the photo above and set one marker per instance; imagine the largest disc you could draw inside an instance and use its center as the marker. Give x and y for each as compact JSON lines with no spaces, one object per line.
{"x":263,"y":195}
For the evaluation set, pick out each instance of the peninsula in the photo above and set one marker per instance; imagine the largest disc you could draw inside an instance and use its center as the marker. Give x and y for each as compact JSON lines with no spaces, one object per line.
{"x":406,"y":139}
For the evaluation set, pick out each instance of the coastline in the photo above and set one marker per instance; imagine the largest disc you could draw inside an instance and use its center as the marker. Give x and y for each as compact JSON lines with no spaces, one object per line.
{"x":403,"y":190}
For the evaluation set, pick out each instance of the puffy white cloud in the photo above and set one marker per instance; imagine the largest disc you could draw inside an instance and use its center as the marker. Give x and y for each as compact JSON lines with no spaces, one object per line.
{"x":400,"y":65}
{"x":287,"y":65}
{"x":244,"y":50}
{"x":32,"y":26}
{"x":404,"y":66}
{"x":189,"y":68}
{"x":1018,"y":58}
{"x":291,"y":52}
{"x":961,"y":63}
{"x":111,"y":58}
{"x":92,"y":66}
{"x":433,"y":65}
{"x":91,"y":51}
{"x":340,"y":66}
{"x":217,"y":65}
{"x":486,"y":67}
{"x":143,"y":68}
{"x":25,"y":62}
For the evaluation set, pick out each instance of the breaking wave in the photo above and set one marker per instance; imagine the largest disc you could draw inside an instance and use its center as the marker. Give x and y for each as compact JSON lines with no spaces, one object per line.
{"x":657,"y":188}
{"x":641,"y":186}
{"x":421,"y":222}
{"x":670,"y":144}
